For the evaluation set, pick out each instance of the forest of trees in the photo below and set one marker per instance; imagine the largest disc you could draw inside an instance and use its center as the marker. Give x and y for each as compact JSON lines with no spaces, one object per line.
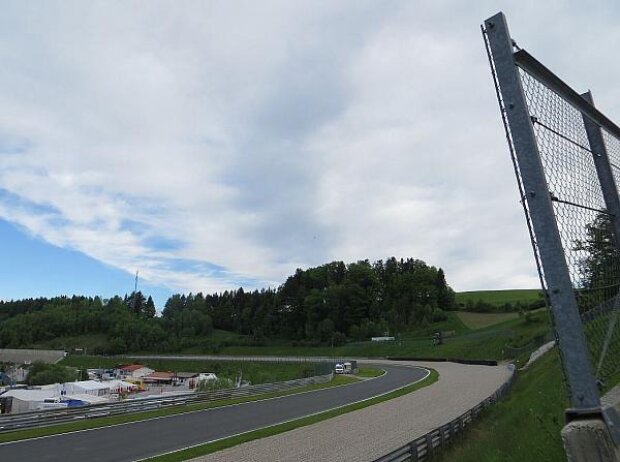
{"x":330,"y":303}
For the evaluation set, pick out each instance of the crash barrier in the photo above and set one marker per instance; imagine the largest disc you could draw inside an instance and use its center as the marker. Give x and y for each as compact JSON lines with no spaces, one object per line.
{"x":473,"y":362}
{"x":422,"y":448}
{"x":57,"y":416}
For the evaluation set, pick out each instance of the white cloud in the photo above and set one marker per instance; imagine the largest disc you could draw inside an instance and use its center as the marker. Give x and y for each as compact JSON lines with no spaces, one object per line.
{"x":213,"y":144}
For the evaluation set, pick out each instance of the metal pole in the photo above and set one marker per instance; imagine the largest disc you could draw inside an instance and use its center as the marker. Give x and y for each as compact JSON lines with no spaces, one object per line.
{"x":603,"y":167}
{"x":568,"y":326}
{"x":612,"y":202}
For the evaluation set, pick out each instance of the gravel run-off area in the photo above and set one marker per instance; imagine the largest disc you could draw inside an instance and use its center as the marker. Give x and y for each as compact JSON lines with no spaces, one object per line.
{"x":372,"y":432}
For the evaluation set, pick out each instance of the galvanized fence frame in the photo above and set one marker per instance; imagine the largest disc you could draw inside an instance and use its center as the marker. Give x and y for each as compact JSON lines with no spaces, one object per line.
{"x":520,"y":79}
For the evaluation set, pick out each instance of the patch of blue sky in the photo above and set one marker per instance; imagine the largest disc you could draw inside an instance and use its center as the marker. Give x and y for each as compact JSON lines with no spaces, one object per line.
{"x":34,"y":268}
{"x":211,"y":270}
{"x":148,"y":238}
{"x":14,"y":145}
{"x":194,"y":266}
{"x":13,"y":200}
{"x":142,"y":205}
{"x":162,"y":243}
{"x":133,"y":226}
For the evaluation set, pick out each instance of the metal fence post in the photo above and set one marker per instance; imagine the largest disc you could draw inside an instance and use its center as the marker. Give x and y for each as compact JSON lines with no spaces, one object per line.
{"x":603,"y":167}
{"x":568,"y":325}
{"x":612,"y":202}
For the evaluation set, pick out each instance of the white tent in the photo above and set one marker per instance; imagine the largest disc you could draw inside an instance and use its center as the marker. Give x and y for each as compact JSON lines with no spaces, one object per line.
{"x":30,"y":400}
{"x":120,"y":386}
{"x":89,"y":399}
{"x":87,"y":387}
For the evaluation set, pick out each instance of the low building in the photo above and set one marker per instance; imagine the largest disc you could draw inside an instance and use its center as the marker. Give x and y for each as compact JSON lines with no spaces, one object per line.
{"x":133,"y":371}
{"x":206,"y":376}
{"x":160,"y":377}
{"x":184,"y":378}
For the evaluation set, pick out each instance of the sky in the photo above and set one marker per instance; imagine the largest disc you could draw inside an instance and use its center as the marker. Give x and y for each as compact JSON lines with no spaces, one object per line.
{"x":216,"y":145}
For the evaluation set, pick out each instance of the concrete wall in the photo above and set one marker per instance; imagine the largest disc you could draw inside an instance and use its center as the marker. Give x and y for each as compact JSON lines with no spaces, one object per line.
{"x":20,"y":356}
{"x":589,"y":439}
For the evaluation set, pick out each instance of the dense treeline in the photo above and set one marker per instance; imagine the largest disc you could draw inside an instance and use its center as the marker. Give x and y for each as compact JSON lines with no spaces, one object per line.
{"x":128,"y":323}
{"x":329,"y":303}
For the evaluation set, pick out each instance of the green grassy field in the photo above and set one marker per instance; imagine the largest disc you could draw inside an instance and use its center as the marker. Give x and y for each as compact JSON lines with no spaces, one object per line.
{"x":481,"y":320}
{"x":500,"y":297}
{"x":254,"y":372}
{"x":368,"y":372}
{"x":525,"y":426}
{"x":485,"y":343}
{"x":87,"y":342}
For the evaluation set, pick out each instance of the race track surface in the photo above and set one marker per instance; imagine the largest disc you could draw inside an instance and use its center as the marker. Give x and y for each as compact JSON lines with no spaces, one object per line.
{"x":369,"y":433}
{"x":152,"y":437}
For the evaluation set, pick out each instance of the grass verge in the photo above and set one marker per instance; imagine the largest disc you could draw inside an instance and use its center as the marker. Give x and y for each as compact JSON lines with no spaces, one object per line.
{"x":525,"y":426}
{"x":215,"y":446}
{"x":369,"y":372}
{"x":338,"y":380}
{"x":500,"y":297}
{"x":482,"y":320}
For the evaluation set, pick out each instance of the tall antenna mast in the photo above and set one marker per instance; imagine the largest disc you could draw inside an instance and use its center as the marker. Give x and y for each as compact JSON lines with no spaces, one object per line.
{"x":135,"y":287}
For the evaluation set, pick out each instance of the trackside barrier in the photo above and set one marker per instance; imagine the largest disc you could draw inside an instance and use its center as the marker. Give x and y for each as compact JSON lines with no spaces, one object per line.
{"x":423,"y":447}
{"x":54,"y":416}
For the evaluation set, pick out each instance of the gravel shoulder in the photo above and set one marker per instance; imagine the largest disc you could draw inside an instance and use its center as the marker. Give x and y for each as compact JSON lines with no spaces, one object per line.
{"x":372,"y":432}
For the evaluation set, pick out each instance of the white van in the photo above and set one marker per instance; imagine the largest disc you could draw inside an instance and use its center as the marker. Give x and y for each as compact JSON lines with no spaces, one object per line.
{"x":339,"y":369}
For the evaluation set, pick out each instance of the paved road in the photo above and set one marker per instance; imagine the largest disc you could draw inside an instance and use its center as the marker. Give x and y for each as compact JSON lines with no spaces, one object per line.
{"x":149,"y":438}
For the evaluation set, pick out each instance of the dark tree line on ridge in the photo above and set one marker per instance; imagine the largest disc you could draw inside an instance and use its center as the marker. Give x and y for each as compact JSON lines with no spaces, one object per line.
{"x":330,"y":303}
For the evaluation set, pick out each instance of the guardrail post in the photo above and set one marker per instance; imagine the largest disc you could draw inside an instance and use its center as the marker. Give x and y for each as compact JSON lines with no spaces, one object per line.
{"x":429,"y":444}
{"x":413,"y":450}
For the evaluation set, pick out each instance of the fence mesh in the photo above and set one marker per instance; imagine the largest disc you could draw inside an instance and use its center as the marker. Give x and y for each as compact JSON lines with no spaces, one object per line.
{"x":584,"y":224}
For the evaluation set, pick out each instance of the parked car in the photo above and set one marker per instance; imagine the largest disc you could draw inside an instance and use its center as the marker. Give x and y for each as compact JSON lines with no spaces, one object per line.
{"x":339,"y":369}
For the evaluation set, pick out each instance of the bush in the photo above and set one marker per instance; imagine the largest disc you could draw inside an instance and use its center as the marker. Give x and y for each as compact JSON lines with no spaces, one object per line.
{"x":339,"y":338}
{"x":439,"y":315}
{"x":44,"y":374}
{"x":218,"y":384}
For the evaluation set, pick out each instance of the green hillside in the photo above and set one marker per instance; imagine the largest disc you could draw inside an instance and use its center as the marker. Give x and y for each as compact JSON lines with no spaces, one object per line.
{"x":500,"y":297}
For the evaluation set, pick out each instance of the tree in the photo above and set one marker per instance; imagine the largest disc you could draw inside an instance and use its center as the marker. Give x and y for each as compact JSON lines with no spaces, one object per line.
{"x":149,"y":308}
{"x":445,"y":295}
{"x":44,"y":374}
{"x":136,"y":302}
{"x":599,"y":265}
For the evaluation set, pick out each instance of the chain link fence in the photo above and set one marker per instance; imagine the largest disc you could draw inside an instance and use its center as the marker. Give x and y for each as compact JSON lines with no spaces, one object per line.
{"x":566,"y":157}
{"x":584,"y":223}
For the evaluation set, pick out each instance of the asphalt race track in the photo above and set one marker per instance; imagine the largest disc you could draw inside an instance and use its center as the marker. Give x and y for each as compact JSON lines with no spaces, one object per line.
{"x":152,"y":437}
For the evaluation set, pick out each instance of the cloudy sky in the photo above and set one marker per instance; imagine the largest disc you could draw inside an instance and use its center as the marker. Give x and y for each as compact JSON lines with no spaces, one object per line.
{"x":212,"y":145}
